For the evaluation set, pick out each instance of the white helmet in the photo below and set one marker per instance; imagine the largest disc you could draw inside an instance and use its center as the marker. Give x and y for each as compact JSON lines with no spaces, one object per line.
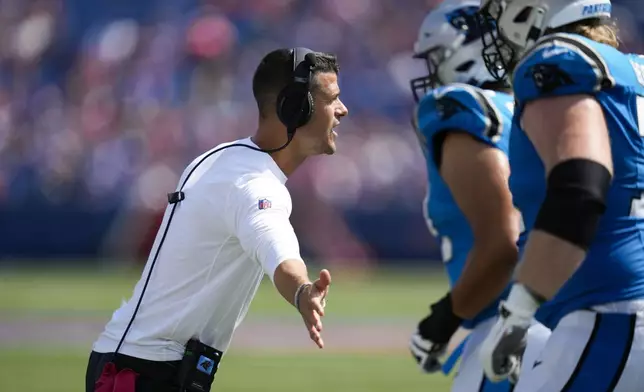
{"x":449,"y":40}
{"x":520,"y":23}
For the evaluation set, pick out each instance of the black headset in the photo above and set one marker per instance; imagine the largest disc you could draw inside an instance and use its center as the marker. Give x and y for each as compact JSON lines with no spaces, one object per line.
{"x":294,"y":109}
{"x":294,"y":102}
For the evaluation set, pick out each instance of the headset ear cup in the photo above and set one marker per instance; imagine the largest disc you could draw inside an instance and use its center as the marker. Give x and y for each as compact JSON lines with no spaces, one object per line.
{"x":309,"y":108}
{"x":306,"y":110}
{"x":282,"y":112}
{"x":294,"y":106}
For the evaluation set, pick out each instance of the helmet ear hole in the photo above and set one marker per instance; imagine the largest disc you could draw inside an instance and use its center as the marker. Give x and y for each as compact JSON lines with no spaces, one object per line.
{"x":466,"y":66}
{"x":523,"y":16}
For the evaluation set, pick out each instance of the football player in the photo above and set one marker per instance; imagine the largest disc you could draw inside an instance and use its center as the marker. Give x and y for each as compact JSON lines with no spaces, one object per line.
{"x":578,"y":178}
{"x":463,"y":121}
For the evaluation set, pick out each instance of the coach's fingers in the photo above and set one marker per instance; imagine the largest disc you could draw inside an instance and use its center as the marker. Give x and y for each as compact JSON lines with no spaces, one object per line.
{"x":326,"y":294}
{"x":316,"y":337}
{"x":314,"y":333}
{"x":319,"y":341}
{"x":313,"y":319}
{"x":324,"y":281}
{"x":317,"y":306}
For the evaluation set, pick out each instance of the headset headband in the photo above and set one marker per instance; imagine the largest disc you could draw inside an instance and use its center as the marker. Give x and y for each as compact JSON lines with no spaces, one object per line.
{"x":303,"y":62}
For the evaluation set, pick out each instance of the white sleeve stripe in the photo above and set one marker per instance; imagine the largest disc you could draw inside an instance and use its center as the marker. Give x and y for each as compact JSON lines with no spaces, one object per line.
{"x":495,"y":126}
{"x":593,"y":58}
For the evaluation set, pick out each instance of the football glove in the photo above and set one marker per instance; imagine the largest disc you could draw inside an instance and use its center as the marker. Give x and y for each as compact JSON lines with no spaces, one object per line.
{"x":502,"y":350}
{"x":429,"y":343}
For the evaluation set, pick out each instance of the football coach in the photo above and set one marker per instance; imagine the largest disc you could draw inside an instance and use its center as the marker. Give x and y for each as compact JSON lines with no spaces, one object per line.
{"x":225,"y":226}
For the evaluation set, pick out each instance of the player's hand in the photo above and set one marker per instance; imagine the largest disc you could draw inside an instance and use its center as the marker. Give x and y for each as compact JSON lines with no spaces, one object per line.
{"x":311,"y":302}
{"x":503,"y":348}
{"x":427,"y":353}
{"x":429,"y":343}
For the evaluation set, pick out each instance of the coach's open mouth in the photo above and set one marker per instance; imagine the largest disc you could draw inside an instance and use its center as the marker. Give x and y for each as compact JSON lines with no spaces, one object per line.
{"x":334,"y":127}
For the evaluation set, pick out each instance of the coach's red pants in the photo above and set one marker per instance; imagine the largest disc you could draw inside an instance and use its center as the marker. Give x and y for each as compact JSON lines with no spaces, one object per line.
{"x":113,"y":380}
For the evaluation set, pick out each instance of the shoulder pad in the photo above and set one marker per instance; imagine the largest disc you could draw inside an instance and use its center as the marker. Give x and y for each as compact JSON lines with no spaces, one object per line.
{"x":561,"y":64}
{"x":462,"y":108}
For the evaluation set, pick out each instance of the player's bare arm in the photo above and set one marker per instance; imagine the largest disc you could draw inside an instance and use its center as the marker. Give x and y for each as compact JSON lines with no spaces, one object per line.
{"x":561,"y":129}
{"x":570,"y":136}
{"x":464,"y":123}
{"x":579,"y":101}
{"x":477,"y":176}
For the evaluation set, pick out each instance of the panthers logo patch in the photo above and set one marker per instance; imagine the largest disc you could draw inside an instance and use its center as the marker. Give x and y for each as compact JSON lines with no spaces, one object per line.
{"x":548,"y":77}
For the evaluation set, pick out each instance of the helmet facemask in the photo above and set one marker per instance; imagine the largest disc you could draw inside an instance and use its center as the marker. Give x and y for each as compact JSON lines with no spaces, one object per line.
{"x":433,"y":58}
{"x":499,"y":55}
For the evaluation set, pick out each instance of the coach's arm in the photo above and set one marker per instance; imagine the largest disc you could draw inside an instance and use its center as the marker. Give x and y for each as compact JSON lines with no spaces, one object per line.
{"x":267,"y":235}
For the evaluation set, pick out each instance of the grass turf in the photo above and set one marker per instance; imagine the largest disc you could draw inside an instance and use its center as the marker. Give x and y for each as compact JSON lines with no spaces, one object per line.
{"x":29,"y":371}
{"x":374,"y":295}
{"x":381,"y":295}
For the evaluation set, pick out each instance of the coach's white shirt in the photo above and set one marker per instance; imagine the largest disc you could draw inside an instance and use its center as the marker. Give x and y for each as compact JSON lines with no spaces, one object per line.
{"x":232,"y":227}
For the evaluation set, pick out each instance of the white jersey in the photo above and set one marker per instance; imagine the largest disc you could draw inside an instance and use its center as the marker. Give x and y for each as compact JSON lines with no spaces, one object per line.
{"x":232,"y":227}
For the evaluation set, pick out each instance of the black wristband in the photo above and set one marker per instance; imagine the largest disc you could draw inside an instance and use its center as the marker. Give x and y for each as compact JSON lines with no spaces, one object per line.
{"x":441,"y":324}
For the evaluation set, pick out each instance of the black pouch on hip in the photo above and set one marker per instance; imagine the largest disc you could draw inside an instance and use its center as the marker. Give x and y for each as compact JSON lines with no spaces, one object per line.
{"x":198,"y":367}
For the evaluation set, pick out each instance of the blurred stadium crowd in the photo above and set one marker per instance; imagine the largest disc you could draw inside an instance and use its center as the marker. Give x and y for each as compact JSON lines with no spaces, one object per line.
{"x":104,"y":102}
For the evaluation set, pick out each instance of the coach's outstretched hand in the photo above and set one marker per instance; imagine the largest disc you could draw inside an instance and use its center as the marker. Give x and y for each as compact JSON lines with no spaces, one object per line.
{"x":311,"y":303}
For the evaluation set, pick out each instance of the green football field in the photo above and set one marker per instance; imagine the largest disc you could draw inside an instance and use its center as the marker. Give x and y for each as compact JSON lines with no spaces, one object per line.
{"x":40,"y":313}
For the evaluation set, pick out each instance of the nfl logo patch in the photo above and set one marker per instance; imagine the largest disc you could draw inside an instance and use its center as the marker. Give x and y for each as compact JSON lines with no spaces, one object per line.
{"x":264,"y":204}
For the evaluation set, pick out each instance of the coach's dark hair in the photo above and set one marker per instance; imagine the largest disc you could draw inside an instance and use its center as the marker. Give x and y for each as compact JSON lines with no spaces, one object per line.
{"x":275,"y":71}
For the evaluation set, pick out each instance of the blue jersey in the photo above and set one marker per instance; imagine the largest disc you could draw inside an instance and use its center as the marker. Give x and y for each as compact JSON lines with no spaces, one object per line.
{"x":487,"y":117}
{"x":565,"y":64}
